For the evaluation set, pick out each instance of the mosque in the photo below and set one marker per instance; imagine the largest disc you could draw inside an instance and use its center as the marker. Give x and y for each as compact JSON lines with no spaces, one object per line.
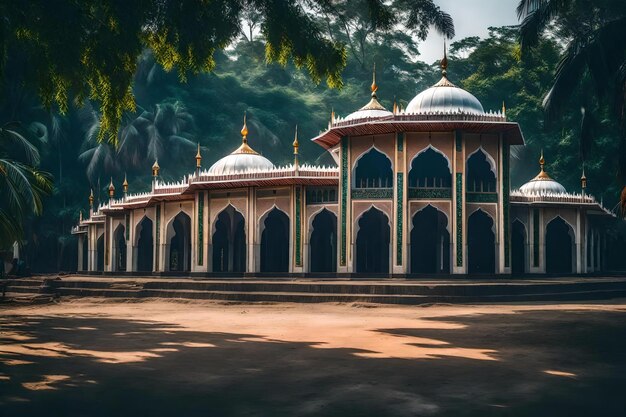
{"x":423,"y":190}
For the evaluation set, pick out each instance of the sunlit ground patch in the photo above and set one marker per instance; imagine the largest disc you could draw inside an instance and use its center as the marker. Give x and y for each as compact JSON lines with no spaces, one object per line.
{"x":47,"y":383}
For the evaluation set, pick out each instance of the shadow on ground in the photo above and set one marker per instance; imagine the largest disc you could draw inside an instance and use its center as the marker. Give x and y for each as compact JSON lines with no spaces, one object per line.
{"x":570,"y":364}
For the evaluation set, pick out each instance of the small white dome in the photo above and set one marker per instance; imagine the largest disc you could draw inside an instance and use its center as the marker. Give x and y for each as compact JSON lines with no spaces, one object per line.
{"x":233,"y":163}
{"x":445,"y":97}
{"x":543,"y":186}
{"x":368,"y":114}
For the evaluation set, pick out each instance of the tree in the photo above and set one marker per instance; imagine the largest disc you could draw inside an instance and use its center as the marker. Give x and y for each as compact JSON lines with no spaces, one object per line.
{"x":592,"y":68}
{"x":22,"y":184}
{"x":95,"y":57}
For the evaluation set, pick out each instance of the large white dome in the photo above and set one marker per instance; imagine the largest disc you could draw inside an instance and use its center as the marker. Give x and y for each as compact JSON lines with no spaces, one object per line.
{"x":445,"y":97}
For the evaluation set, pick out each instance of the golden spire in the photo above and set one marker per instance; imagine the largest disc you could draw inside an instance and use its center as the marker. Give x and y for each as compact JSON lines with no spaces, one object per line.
{"x":80,"y":216}
{"x":395,"y":106}
{"x":155,"y":168}
{"x":111,"y":189}
{"x":503,"y":108}
{"x":91,"y":198}
{"x":244,"y":148}
{"x":583,"y":179}
{"x":543,"y":175}
{"x":296,"y":144}
{"x":332,"y":116}
{"x":374,"y":87}
{"x":125,"y":184}
{"x":198,"y":157}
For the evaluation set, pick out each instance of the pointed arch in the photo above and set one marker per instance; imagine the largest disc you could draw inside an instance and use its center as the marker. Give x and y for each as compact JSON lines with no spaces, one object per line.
{"x":229,"y":241}
{"x":178,"y":243}
{"x":430,"y":241}
{"x":560,"y":247}
{"x":275,"y":242}
{"x":323,"y":242}
{"x":119,"y":248}
{"x":144,"y":245}
{"x":373,"y":242}
{"x":430,"y":168}
{"x":481,"y":243}
{"x":481,"y":172}
{"x":373,"y":169}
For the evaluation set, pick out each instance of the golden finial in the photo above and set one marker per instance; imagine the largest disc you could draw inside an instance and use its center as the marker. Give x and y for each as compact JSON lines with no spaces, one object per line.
{"x":155,"y":168}
{"x":374,"y":86}
{"x":111,"y":189}
{"x":543,"y":175}
{"x":583,"y":178}
{"x":91,"y":198}
{"x":444,"y":60}
{"x":542,"y":161}
{"x":503,"y":108}
{"x":198,"y":157}
{"x":244,"y":130}
{"x":395,"y":106}
{"x":296,"y":144}
{"x":80,"y":218}
{"x":125,"y":184}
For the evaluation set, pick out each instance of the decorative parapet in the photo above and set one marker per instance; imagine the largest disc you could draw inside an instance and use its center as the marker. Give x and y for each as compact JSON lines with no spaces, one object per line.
{"x":288,"y":171}
{"x":372,"y":193}
{"x":430,"y":193}
{"x":453,"y":116}
{"x":518,"y":196}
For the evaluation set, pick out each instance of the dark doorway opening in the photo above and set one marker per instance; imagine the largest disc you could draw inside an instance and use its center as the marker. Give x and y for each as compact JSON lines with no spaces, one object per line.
{"x":179,"y":234}
{"x":145,"y":246}
{"x":430,"y":170}
{"x":85,"y":252}
{"x":323,"y":243}
{"x":119,"y":246}
{"x":229,"y":242}
{"x":100,"y":253}
{"x":275,"y":242}
{"x":559,"y":247}
{"x":430,"y":242}
{"x":518,"y":248}
{"x":372,"y":243}
{"x":481,"y":244}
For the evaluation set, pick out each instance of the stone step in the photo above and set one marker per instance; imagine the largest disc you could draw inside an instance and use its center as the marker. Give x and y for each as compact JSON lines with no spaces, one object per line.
{"x":308,"y":297}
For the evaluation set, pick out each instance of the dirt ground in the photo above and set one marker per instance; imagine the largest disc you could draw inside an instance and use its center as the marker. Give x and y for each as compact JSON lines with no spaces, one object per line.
{"x":190,"y":358}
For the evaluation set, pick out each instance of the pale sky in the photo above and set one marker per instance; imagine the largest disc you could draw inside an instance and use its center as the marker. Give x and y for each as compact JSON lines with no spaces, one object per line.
{"x":471,"y":18}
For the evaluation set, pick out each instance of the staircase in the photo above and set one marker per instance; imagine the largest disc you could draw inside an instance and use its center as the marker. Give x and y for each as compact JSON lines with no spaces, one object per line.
{"x":411,"y":292}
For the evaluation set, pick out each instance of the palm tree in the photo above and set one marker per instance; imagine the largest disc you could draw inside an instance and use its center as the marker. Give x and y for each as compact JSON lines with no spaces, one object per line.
{"x":22,"y":184}
{"x":593,"y":60}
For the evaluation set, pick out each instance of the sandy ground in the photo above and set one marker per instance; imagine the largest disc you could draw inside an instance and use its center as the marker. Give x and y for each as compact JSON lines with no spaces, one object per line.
{"x":190,"y":358}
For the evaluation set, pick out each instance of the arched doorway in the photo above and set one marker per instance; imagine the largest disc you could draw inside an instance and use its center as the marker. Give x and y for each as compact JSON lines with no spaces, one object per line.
{"x":430,"y":169}
{"x":372,"y":243}
{"x":559,"y":247}
{"x":481,"y":177}
{"x":145,"y":245}
{"x":119,"y":249}
{"x":430,"y":242}
{"x":518,"y":248}
{"x":178,"y":238}
{"x":481,"y":244}
{"x":229,"y":242}
{"x":323,"y":242}
{"x":100,"y":253}
{"x":275,"y":242}
{"x":373,"y":170}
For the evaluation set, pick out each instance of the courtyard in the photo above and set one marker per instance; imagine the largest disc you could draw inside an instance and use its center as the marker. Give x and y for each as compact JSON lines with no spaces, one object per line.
{"x":99,"y":357}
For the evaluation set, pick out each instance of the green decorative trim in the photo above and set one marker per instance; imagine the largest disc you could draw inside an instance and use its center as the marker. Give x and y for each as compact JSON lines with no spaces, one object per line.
{"x":481,"y":197}
{"x":459,"y":219}
{"x":430,"y":193}
{"x":400,"y":141}
{"x":458,"y":140}
{"x":126,"y":231}
{"x":536,"y":237}
{"x":399,"y":221}
{"x":344,"y":198}
{"x":505,"y":203}
{"x":158,"y":237}
{"x":298,"y":226}
{"x":201,"y":228}
{"x":372,"y":193}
